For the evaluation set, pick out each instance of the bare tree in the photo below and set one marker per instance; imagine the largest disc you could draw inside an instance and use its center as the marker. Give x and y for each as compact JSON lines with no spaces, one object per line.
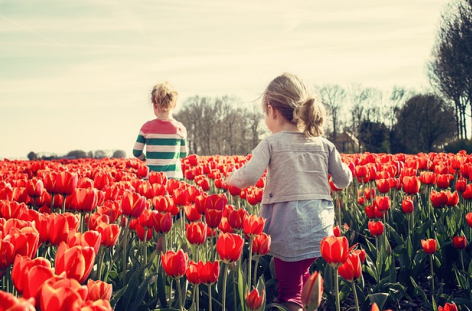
{"x":333,"y":96}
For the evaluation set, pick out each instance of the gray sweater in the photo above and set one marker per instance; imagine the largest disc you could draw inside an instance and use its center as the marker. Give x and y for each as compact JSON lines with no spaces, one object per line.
{"x":298,"y":168}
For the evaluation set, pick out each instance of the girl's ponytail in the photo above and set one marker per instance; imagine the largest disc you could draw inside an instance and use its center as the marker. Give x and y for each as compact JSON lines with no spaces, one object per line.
{"x":310,"y":115}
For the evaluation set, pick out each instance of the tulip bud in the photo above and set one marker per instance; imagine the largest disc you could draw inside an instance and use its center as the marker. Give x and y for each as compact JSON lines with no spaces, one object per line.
{"x":312,"y":292}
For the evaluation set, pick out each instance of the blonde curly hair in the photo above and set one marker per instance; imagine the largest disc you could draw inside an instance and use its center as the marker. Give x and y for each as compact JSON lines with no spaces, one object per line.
{"x":164,"y":95}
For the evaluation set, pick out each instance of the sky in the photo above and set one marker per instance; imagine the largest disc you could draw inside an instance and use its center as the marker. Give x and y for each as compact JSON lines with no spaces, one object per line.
{"x":77,"y":75}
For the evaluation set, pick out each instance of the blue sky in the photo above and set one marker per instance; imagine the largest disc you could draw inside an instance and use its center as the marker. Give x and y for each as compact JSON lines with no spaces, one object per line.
{"x":77,"y":74}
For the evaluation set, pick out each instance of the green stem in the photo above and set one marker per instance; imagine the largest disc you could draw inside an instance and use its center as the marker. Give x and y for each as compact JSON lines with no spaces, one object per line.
{"x":462,"y":259}
{"x":100,"y":262}
{"x":255,"y":271}
{"x":170,"y":292}
{"x":64,"y":204}
{"x":249,"y":268}
{"x":355,"y":295}
{"x":209,"y":295}
{"x":197,"y":289}
{"x":336,"y":289}
{"x":225,"y":277}
{"x":145,"y":247}
{"x":432,"y":276}
{"x":125,"y":243}
{"x":180,"y":295}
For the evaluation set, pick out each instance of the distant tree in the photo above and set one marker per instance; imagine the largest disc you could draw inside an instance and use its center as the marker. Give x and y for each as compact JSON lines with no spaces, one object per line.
{"x":99,"y":154}
{"x":76,"y":154}
{"x":333,"y":97}
{"x":423,"y":124}
{"x":119,"y":154}
{"x":32,"y":156}
{"x":450,"y":70}
{"x":90,"y":154}
{"x":375,"y":136}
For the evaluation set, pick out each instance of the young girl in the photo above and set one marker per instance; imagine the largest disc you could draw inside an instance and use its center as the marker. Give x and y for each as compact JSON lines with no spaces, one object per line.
{"x":164,"y":137}
{"x":296,"y":202}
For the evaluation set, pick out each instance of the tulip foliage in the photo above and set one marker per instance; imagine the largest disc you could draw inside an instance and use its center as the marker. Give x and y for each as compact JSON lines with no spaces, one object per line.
{"x":107,"y":234}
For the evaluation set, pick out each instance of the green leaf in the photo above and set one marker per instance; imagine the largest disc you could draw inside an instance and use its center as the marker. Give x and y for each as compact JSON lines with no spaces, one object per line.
{"x":141,"y":293}
{"x":378,"y":298}
{"x":161,"y":286}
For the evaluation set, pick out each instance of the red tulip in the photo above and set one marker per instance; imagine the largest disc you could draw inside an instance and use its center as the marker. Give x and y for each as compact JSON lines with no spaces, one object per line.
{"x":254,"y":300}
{"x":229,"y":247}
{"x":452,"y":198}
{"x":407,"y":205}
{"x":192,"y":272}
{"x":10,"y":302}
{"x":360,"y":253}
{"x":21,"y":267}
{"x":192,"y":213}
{"x":336,"y":231}
{"x":7,"y":255}
{"x":209,"y":272}
{"x":382,"y":185}
{"x":66,"y":182}
{"x":213,"y":217}
{"x":58,"y":229}
{"x":448,"y":307}
{"x":99,"y":290}
{"x":376,"y":228}
{"x":77,"y":261}
{"x":351,"y":269}
{"x":461,"y":184}
{"x":88,"y":238}
{"x":253,"y":225}
{"x":429,"y":246}
{"x":174,"y":263}
{"x":312,"y":292}
{"x":236,"y":218}
{"x":59,"y":296}
{"x":261,"y":244}
{"x":468,"y":218}
{"x":459,"y":242}
{"x":443,"y":180}
{"x":335,"y":250}
{"x":411,"y":184}
{"x":97,"y":305}
{"x":25,"y":240}
{"x":109,"y":234}
{"x":34,"y":187}
{"x":382,"y":203}
{"x":133,"y":204}
{"x":85,"y":199}
{"x":467,"y":194}
{"x":158,"y":178}
{"x":438,"y":199}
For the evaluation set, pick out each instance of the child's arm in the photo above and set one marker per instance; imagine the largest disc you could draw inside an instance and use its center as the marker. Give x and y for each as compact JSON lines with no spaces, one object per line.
{"x":139,"y":146}
{"x":339,"y":171}
{"x":250,"y":173}
{"x":183,"y":145}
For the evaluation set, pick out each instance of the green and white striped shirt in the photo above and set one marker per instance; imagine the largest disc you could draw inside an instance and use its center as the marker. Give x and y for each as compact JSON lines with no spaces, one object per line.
{"x":166,"y":144}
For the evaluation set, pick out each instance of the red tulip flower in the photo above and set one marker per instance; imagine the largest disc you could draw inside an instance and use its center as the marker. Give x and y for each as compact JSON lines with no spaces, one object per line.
{"x":468,"y":218}
{"x":411,"y":184}
{"x":7,"y":255}
{"x":58,"y":229}
{"x":459,"y":242}
{"x":443,"y":180}
{"x":438,"y":199}
{"x":10,"y":302}
{"x":196,"y":233}
{"x":192,"y":273}
{"x":34,"y":187}
{"x":407,"y":205}
{"x":312,"y":292}
{"x":192,"y":213}
{"x":209,"y":272}
{"x":253,"y":225}
{"x":382,"y":203}
{"x":133,"y":204}
{"x":61,"y":294}
{"x":85,"y":200}
{"x":99,"y":290}
{"x":88,"y":238}
{"x":452,"y":198}
{"x":336,"y":231}
{"x":335,"y":250}
{"x":66,"y":182}
{"x":77,"y":261}
{"x":382,"y":185}
{"x":428,"y":178}
{"x":376,"y":228}
{"x":109,"y":234}
{"x":29,"y":274}
{"x":429,"y":246}
{"x":175,"y":263}
{"x":161,"y":222}
{"x":25,"y":240}
{"x":261,"y":244}
{"x":229,"y":247}
{"x":236,"y":218}
{"x":254,"y":300}
{"x":351,"y":269}
{"x":448,"y":307}
{"x":467,"y":194}
{"x":213,"y":217}
{"x":158,"y":178}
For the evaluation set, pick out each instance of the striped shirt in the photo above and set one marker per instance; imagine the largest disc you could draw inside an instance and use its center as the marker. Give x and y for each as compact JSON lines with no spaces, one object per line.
{"x":166,"y":144}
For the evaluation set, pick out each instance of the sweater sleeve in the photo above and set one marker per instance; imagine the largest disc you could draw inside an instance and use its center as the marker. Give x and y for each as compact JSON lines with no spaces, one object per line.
{"x":339,"y":171}
{"x":139,"y":146}
{"x":250,"y":173}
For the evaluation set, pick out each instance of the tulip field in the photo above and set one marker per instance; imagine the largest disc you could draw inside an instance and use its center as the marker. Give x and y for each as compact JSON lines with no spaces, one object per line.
{"x":106,"y":234}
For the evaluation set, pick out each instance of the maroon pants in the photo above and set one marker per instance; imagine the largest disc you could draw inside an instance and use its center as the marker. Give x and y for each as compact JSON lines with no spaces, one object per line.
{"x":291,"y":276}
